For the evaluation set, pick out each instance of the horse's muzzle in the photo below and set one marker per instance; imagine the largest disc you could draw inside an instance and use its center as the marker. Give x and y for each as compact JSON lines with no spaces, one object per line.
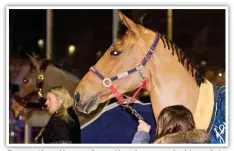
{"x":86,"y":106}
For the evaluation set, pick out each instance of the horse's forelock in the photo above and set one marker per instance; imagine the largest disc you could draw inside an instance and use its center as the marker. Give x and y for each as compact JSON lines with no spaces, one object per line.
{"x":121,"y":30}
{"x":125,"y":43}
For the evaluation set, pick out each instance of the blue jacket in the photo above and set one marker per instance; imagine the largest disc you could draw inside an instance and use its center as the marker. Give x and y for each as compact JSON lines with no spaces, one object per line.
{"x":141,"y":137}
{"x":186,"y":137}
{"x":217,"y":128}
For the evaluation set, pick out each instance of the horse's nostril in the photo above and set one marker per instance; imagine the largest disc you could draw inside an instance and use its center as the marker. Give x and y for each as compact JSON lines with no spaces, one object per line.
{"x":77,"y":96}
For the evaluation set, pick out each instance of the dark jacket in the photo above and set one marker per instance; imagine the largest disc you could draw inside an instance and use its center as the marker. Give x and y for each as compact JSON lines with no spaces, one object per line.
{"x":60,"y":131}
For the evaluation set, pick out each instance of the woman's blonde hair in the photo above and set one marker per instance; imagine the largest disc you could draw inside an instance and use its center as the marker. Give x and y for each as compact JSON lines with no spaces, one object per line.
{"x":62,"y":94}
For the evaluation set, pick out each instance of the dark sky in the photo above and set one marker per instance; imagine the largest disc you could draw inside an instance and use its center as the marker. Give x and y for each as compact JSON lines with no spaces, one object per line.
{"x":89,"y":30}
{"x":201,"y":33}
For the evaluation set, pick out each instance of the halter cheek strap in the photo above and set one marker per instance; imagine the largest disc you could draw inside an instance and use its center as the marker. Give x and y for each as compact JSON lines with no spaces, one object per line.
{"x":108,"y":82}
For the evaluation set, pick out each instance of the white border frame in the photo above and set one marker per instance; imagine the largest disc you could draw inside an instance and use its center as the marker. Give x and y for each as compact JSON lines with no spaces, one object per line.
{"x":115,"y":7}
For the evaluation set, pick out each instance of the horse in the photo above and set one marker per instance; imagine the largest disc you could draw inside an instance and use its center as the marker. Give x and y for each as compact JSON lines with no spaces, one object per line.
{"x":41,"y":76}
{"x":44,"y":74}
{"x":145,"y":59}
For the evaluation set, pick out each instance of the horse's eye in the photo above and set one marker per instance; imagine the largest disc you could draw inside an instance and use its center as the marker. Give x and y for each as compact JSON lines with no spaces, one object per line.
{"x":25,"y":80}
{"x":115,"y":52}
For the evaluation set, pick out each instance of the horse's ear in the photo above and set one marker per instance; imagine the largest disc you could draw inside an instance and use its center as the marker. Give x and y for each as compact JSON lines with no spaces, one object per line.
{"x":126,"y":21}
{"x":142,"y":18}
{"x":34,"y":61}
{"x":35,"y":55}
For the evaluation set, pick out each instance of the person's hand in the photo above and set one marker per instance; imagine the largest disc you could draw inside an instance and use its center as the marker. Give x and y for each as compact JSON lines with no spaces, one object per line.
{"x":143,"y":126}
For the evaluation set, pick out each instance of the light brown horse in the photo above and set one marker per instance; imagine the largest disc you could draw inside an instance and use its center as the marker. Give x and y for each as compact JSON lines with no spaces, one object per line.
{"x":26,"y":100}
{"x":171,"y":77}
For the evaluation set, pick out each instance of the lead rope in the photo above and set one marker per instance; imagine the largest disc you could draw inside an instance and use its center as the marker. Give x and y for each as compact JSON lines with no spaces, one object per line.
{"x":39,"y":135}
{"x":133,"y":111}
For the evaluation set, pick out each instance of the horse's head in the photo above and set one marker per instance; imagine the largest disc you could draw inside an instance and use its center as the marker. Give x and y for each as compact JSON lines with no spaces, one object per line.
{"x":122,"y":56}
{"x":29,"y":94}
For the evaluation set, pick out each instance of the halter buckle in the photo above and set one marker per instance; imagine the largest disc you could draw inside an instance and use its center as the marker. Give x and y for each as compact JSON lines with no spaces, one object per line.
{"x":107,"y":82}
{"x":140,"y":68}
{"x":40,"y":77}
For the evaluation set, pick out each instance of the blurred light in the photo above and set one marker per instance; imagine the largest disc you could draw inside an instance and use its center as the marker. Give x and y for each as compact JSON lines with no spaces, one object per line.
{"x":220,"y":74}
{"x":12,"y":133}
{"x":99,"y":54}
{"x":40,"y":43}
{"x":203,"y":63}
{"x":71,"y":49}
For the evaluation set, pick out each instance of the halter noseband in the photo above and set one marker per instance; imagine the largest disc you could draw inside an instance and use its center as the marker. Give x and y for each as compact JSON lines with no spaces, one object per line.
{"x":107,"y":82}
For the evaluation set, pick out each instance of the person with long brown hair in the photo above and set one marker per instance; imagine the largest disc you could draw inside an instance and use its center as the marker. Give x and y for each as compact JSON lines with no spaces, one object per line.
{"x":175,"y":125}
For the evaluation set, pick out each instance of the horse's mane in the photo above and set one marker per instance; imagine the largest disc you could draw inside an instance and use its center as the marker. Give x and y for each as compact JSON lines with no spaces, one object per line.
{"x":71,"y":75}
{"x":186,"y":61}
{"x":183,"y":58}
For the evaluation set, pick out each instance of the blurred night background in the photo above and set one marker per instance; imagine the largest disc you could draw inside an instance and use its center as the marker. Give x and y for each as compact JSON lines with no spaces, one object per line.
{"x":80,"y":37}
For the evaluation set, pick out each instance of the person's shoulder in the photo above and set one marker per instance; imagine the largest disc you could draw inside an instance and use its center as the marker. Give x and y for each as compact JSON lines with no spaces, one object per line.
{"x":56,"y":118}
{"x":195,"y":136}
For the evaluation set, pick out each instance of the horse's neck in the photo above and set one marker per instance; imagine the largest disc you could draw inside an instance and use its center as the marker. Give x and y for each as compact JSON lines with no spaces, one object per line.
{"x":170,"y":83}
{"x":55,"y":77}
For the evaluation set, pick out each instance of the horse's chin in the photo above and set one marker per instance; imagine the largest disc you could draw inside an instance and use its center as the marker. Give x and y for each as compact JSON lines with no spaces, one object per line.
{"x":92,"y":108}
{"x":22,"y":115}
{"x":88,"y":107}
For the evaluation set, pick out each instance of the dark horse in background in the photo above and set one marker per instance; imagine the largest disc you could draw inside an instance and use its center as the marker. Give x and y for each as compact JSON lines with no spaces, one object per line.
{"x":172,"y":78}
{"x":104,"y":125}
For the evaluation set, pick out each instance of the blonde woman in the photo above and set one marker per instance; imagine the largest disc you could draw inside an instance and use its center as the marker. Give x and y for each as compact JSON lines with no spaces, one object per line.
{"x":64,"y":125}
